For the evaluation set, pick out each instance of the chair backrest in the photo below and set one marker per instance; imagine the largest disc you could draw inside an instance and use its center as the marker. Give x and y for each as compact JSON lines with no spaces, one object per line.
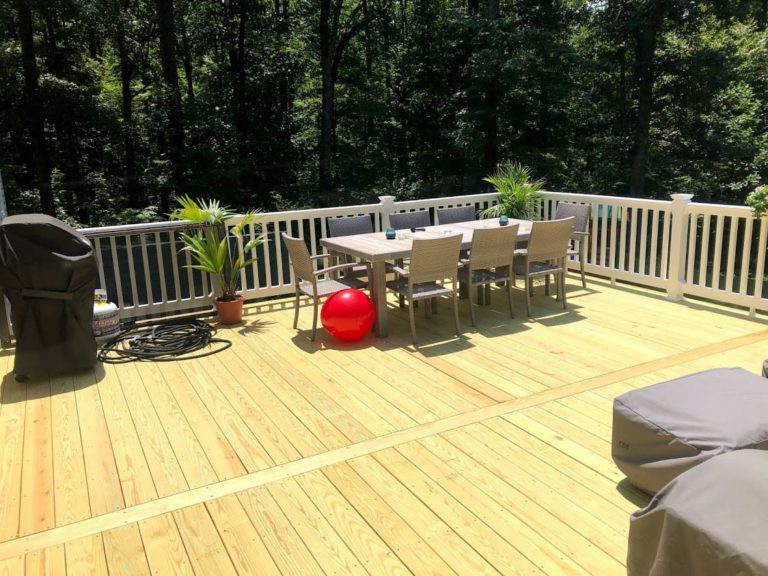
{"x":457,"y":214}
{"x":352,"y":225}
{"x":299,"y":257}
{"x":550,"y":239}
{"x":405,"y":220}
{"x":580,"y":213}
{"x":434,"y":258}
{"x":492,"y":247}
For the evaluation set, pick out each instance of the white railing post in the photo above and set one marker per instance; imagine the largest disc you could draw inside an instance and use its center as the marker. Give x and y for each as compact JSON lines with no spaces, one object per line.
{"x":678,"y":245}
{"x":387,"y":206}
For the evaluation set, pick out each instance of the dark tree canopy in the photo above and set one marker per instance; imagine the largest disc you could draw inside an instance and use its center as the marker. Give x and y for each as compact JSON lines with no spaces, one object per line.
{"x":109,"y":108}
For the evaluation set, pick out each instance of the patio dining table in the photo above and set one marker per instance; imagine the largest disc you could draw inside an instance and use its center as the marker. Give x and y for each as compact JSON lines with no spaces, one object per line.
{"x":375,"y":248}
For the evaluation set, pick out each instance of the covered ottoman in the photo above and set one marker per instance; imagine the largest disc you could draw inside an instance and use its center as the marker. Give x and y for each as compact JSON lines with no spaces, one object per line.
{"x":710,"y":521}
{"x":663,"y":430}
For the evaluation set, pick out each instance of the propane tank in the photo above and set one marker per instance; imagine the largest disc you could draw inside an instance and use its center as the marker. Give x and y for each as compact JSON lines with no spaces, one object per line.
{"x":106,"y":318}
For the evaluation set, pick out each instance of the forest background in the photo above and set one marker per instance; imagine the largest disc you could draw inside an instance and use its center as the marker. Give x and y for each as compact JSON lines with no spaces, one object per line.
{"x":109,"y":108}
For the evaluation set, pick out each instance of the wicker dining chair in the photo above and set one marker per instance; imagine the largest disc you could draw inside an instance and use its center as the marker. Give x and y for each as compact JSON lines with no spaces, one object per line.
{"x":433,"y":262}
{"x":405,"y":220}
{"x":546,"y":254}
{"x":457,"y":214}
{"x":347,"y":226}
{"x":580,"y":234}
{"x":491,"y":261}
{"x":307,"y":280}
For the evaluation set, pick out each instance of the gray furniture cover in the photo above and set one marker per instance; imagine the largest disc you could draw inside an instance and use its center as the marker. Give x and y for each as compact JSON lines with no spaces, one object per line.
{"x":662,"y":430}
{"x":710,"y":521}
{"x":49,"y":273}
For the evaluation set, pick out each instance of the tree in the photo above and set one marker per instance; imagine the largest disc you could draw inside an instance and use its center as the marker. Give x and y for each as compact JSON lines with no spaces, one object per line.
{"x":35,"y":115}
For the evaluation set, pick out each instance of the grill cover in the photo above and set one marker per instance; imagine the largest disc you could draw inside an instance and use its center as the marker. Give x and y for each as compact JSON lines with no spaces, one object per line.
{"x":49,"y":273}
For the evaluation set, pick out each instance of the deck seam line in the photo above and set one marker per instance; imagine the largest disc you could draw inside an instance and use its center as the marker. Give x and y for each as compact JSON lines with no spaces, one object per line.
{"x":144,"y":511}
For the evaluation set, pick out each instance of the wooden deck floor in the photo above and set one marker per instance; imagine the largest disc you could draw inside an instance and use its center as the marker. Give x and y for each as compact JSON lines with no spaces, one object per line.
{"x":485,"y":454}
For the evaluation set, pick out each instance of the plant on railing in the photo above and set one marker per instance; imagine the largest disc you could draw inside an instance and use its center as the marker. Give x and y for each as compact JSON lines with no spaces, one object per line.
{"x":518,"y":193}
{"x":214,"y":246}
{"x":758,"y":200}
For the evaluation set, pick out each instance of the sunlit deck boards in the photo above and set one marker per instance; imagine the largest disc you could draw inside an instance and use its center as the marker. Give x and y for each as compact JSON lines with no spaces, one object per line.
{"x":487,"y":454}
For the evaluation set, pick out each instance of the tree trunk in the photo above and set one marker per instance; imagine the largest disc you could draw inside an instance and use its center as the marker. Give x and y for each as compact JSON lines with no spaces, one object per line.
{"x":132,"y":189}
{"x":34,"y":108}
{"x":187,"y":57}
{"x":172,"y":99}
{"x":644,"y":74}
{"x":237,"y":65}
{"x":491,"y":120}
{"x":327,"y":47}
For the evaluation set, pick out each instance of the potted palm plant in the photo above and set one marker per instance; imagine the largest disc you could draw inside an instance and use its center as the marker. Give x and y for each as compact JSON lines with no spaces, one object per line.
{"x":214,"y":247}
{"x":518,"y":194}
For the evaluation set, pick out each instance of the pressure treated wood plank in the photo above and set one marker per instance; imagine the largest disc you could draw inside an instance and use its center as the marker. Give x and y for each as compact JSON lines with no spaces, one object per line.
{"x":243,"y":441}
{"x":164,"y":467}
{"x":124,"y":551}
{"x":37,"y":509}
{"x":163,"y":547}
{"x":132,"y":468}
{"x":358,"y":535}
{"x":11,"y":455}
{"x":410,"y":546}
{"x":322,"y":541}
{"x":493,"y":548}
{"x":188,"y":453}
{"x":104,"y":491}
{"x":288,"y":550}
{"x":591,"y":529}
{"x":212,"y":440}
{"x":70,"y":484}
{"x":247,"y":551}
{"x":12,"y":566}
{"x":443,"y":539}
{"x":202,"y":542}
{"x":86,"y":556}
{"x":48,"y":562}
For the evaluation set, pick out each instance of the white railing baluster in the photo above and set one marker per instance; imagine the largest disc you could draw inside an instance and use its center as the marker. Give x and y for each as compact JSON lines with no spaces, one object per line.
{"x":731,"y":261}
{"x":643,"y":241}
{"x":147,"y":278}
{"x":654,"y":254}
{"x":633,"y":223}
{"x":718,"y":252}
{"x":116,"y":268}
{"x":691,"y":251}
{"x":704,"y":256}
{"x":760,"y":267}
{"x":746,"y":253}
{"x":100,"y":259}
{"x":621,"y":244}
{"x":161,"y":268}
{"x":174,"y":265}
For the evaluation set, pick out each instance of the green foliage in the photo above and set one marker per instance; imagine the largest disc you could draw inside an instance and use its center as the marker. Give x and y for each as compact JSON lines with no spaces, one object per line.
{"x":429,"y":95}
{"x":758,"y":201}
{"x":215,"y":245}
{"x":518,"y":194}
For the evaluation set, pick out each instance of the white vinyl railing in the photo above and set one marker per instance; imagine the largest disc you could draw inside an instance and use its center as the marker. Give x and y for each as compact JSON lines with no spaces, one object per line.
{"x":684,"y":248}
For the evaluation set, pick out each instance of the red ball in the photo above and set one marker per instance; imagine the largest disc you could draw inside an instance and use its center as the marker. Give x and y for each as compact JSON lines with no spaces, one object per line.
{"x":348,"y":315}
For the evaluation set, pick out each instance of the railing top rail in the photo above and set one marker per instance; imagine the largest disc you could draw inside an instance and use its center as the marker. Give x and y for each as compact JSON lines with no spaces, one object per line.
{"x":127,"y":229}
{"x":598,"y":198}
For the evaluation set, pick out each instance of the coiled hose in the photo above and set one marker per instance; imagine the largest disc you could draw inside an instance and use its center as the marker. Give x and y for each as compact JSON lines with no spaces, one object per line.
{"x":163,"y":342}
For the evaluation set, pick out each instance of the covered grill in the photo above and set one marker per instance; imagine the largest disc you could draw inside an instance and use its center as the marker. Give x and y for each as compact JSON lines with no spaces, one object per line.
{"x":49,"y":273}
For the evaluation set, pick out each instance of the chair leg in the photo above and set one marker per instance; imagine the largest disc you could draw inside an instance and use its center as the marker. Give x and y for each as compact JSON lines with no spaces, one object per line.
{"x":456,"y":308}
{"x":582,"y":257}
{"x":509,"y":298}
{"x":411,"y":318}
{"x":562,"y":288}
{"x":528,"y":288}
{"x":296,"y":310}
{"x":314,"y":320}
{"x":471,"y":306}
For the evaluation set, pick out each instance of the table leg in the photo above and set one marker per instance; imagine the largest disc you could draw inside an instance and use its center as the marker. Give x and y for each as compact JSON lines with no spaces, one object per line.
{"x":379,"y":294}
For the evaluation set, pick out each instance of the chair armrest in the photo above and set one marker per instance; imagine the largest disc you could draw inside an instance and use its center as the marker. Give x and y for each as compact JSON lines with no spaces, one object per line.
{"x":399,"y":270}
{"x":340,"y":267}
{"x":579,"y":235}
{"x":321,"y":256}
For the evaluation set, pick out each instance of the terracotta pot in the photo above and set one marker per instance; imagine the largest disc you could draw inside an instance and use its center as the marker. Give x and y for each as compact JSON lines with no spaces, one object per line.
{"x":231,"y":311}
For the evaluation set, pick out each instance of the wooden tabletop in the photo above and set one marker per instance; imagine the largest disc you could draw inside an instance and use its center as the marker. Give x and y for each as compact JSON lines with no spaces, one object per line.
{"x":376,"y":247}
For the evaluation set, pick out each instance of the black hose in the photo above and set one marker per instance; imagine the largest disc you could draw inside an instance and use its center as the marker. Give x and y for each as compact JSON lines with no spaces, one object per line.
{"x":163,"y":342}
